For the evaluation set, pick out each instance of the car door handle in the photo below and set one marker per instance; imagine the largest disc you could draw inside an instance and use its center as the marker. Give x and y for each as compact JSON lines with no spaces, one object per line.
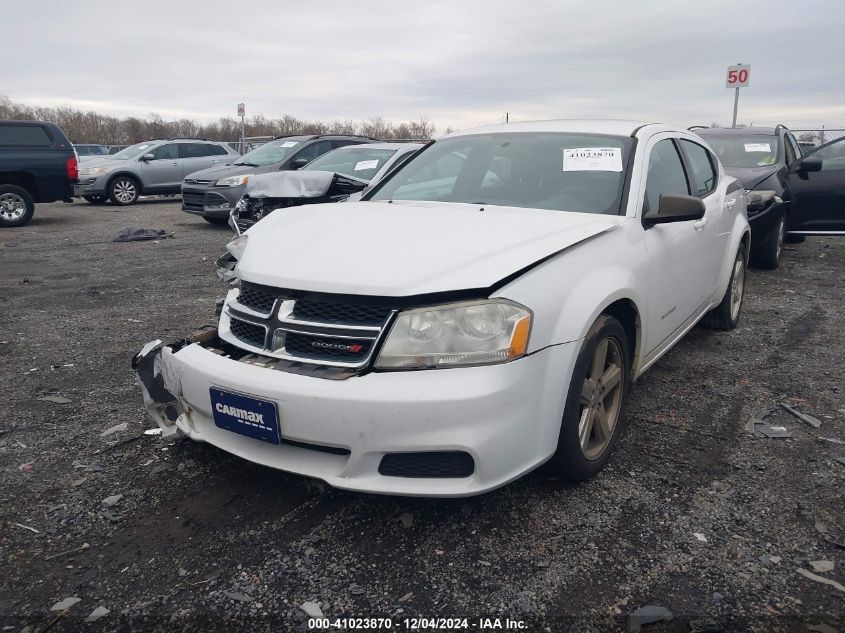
{"x":700,"y":224}
{"x":731,"y":203}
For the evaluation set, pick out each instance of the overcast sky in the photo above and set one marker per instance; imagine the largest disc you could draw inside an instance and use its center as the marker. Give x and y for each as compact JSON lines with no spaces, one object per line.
{"x":459,"y":63}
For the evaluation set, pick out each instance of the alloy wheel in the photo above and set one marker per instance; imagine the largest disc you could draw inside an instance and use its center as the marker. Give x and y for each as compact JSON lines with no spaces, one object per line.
{"x":601,"y":398}
{"x":124,"y":191}
{"x":737,"y":285}
{"x":12,"y":206}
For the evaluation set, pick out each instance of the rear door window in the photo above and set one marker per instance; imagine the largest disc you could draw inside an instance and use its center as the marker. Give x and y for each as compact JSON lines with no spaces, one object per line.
{"x":199,"y":150}
{"x":24,"y":136}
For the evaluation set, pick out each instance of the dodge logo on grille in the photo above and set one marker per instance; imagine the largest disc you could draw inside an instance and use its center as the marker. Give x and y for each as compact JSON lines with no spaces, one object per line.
{"x":338,"y":347}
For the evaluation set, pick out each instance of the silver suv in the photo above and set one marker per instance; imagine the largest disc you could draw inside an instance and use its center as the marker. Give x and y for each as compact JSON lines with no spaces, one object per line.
{"x":148,"y":168}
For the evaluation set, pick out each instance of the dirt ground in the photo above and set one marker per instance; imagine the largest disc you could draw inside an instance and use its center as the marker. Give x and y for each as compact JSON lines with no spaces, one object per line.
{"x":693,"y":513}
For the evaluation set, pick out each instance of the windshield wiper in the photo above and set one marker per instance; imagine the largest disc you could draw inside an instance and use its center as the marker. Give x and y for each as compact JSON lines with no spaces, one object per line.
{"x":246,"y":164}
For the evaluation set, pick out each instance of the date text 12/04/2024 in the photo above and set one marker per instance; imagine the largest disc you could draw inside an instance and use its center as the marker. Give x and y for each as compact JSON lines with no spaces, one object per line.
{"x":419,"y":624}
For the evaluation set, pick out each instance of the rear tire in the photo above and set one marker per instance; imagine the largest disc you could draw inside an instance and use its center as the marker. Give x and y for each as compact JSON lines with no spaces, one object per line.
{"x":217,"y":221}
{"x":96,"y":199}
{"x":594,"y":414}
{"x":124,"y":190}
{"x":766,"y":254}
{"x":16,"y":206}
{"x":726,"y":315}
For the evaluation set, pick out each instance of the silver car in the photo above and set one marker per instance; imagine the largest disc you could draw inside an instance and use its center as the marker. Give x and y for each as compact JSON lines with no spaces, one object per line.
{"x":148,"y":168}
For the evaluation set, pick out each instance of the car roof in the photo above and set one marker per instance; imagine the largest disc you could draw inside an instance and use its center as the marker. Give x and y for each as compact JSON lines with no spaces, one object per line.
{"x":612,"y":127}
{"x":727,"y":131}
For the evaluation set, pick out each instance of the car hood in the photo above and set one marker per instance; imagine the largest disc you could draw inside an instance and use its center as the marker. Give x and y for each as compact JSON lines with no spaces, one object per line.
{"x":752,"y":176}
{"x":97,"y":161}
{"x":404,"y":249}
{"x":221,"y":171}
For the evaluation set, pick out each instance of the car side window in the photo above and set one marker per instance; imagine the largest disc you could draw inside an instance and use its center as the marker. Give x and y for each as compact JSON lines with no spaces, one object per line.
{"x":194,"y":150}
{"x":315,"y":149}
{"x":832,"y":155}
{"x":24,"y":136}
{"x":665,"y":174}
{"x":789,"y":150}
{"x":165,"y":152}
{"x":796,"y":148}
{"x":216,"y":150}
{"x":704,"y":178}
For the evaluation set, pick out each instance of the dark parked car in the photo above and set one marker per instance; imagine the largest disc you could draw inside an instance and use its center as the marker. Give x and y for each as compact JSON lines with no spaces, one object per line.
{"x":213,"y":193}
{"x":37,"y":164}
{"x":789,"y":194}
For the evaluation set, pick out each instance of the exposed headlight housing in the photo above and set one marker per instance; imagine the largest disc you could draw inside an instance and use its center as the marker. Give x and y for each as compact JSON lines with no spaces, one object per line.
{"x":237,"y":246}
{"x":757,"y":200}
{"x":467,"y":333}
{"x":233,"y":181}
{"x":92,"y":171}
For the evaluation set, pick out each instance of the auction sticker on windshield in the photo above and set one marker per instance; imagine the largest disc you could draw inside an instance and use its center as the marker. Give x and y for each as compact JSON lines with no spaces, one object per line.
{"x":758,"y":147}
{"x":245,"y":415}
{"x":366,"y":164}
{"x":592,"y":159}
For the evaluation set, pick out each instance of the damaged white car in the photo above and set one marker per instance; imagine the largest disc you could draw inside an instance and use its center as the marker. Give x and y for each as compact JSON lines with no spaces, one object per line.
{"x":481,"y":312}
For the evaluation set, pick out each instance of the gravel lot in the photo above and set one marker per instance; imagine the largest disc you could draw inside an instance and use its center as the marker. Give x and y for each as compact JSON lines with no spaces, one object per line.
{"x":203,"y":541}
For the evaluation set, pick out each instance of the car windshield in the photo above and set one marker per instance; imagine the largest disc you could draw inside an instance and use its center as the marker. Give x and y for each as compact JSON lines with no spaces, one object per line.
{"x":746,"y":150}
{"x":132,"y":151}
{"x":269,"y":153}
{"x":358,"y":162}
{"x":555,"y":171}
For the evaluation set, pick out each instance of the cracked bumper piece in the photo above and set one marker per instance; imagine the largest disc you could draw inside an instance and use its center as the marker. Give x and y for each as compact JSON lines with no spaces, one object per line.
{"x":478,"y":427}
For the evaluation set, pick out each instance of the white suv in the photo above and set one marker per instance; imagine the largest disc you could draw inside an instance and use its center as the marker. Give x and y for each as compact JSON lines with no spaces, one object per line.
{"x":482,"y":311}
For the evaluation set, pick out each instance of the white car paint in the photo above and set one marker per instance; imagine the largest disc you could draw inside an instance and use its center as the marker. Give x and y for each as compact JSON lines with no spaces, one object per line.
{"x":567,"y":268}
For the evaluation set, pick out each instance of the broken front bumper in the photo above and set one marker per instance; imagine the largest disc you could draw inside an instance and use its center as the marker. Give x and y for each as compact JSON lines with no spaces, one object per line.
{"x":505,"y":417}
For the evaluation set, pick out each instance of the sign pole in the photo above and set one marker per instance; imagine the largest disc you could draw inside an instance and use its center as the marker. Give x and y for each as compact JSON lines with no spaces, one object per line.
{"x":736,"y":104}
{"x":242,"y":114}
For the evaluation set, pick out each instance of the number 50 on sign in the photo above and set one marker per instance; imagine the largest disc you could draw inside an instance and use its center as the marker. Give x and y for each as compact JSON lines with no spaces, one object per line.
{"x":738,"y":76}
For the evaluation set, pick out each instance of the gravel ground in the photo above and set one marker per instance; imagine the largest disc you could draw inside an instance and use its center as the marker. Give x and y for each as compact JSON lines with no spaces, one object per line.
{"x":203,"y":541}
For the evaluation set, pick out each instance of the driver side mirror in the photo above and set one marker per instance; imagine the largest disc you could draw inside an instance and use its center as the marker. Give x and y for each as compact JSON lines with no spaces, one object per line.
{"x":147,"y":157}
{"x":299,"y":163}
{"x":675,"y":208}
{"x":808,"y":164}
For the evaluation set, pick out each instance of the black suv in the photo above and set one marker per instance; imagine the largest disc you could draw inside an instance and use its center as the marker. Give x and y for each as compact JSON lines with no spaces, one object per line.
{"x":37,"y":164}
{"x":789,"y":195}
{"x":213,"y":193}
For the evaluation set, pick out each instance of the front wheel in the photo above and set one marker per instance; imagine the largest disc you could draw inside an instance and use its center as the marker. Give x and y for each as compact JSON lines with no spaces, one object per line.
{"x":593,"y":416}
{"x":123,"y":191}
{"x":16,"y":206}
{"x":726,"y":315}
{"x":766,"y":254}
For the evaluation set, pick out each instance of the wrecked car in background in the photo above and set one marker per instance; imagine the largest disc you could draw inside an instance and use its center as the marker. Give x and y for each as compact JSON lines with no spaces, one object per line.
{"x":339,"y":175}
{"x":481,"y":311}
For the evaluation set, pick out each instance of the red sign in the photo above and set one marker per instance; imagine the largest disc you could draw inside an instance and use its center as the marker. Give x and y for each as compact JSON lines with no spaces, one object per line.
{"x":738,"y":76}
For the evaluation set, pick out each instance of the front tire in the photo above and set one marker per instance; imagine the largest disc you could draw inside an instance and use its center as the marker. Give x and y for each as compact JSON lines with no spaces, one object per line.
{"x":766,"y":254}
{"x":16,"y":206}
{"x":594,"y":414}
{"x":123,"y":191}
{"x":726,"y":315}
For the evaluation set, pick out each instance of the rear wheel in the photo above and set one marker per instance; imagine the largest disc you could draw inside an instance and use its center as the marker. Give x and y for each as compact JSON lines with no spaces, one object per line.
{"x":96,"y":199}
{"x":726,"y":315}
{"x":123,"y":191}
{"x":593,"y":416}
{"x":16,"y":206}
{"x":766,"y":254}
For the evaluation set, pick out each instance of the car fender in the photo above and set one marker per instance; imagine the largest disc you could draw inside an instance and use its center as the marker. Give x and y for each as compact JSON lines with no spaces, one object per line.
{"x":739,"y":230}
{"x":568,"y":292}
{"x":125,"y":172}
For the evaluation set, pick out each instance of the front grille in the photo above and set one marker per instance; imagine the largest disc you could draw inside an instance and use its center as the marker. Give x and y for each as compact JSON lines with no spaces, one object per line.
{"x":431,"y":465}
{"x":256,"y":298}
{"x":248,"y":332}
{"x":327,"y":348}
{"x":193,"y":200}
{"x":340,"y":313}
{"x":310,"y":329}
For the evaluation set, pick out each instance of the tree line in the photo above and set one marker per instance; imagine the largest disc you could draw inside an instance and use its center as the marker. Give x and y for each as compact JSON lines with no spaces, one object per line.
{"x":93,"y":127}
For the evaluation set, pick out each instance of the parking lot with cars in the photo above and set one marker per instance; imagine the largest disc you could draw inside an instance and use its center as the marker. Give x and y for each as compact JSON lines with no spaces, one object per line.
{"x":694,"y":512}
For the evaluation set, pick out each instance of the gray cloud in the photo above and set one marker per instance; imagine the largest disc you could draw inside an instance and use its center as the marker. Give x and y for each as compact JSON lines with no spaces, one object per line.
{"x":457,"y":63}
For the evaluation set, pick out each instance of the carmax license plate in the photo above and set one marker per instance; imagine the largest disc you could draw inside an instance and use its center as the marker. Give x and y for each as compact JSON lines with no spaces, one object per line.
{"x":245,"y":415}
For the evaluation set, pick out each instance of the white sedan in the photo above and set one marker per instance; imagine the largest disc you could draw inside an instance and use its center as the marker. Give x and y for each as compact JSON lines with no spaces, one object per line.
{"x":482,"y":311}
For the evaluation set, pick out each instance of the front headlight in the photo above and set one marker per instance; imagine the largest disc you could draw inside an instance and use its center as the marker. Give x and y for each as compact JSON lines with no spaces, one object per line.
{"x":470,"y":333}
{"x":757,"y":200}
{"x":233,"y":181}
{"x":92,"y":171}
{"x":237,"y":246}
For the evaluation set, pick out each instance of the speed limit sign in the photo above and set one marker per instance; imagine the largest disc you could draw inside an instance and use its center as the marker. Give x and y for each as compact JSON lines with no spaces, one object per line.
{"x":738,"y":76}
